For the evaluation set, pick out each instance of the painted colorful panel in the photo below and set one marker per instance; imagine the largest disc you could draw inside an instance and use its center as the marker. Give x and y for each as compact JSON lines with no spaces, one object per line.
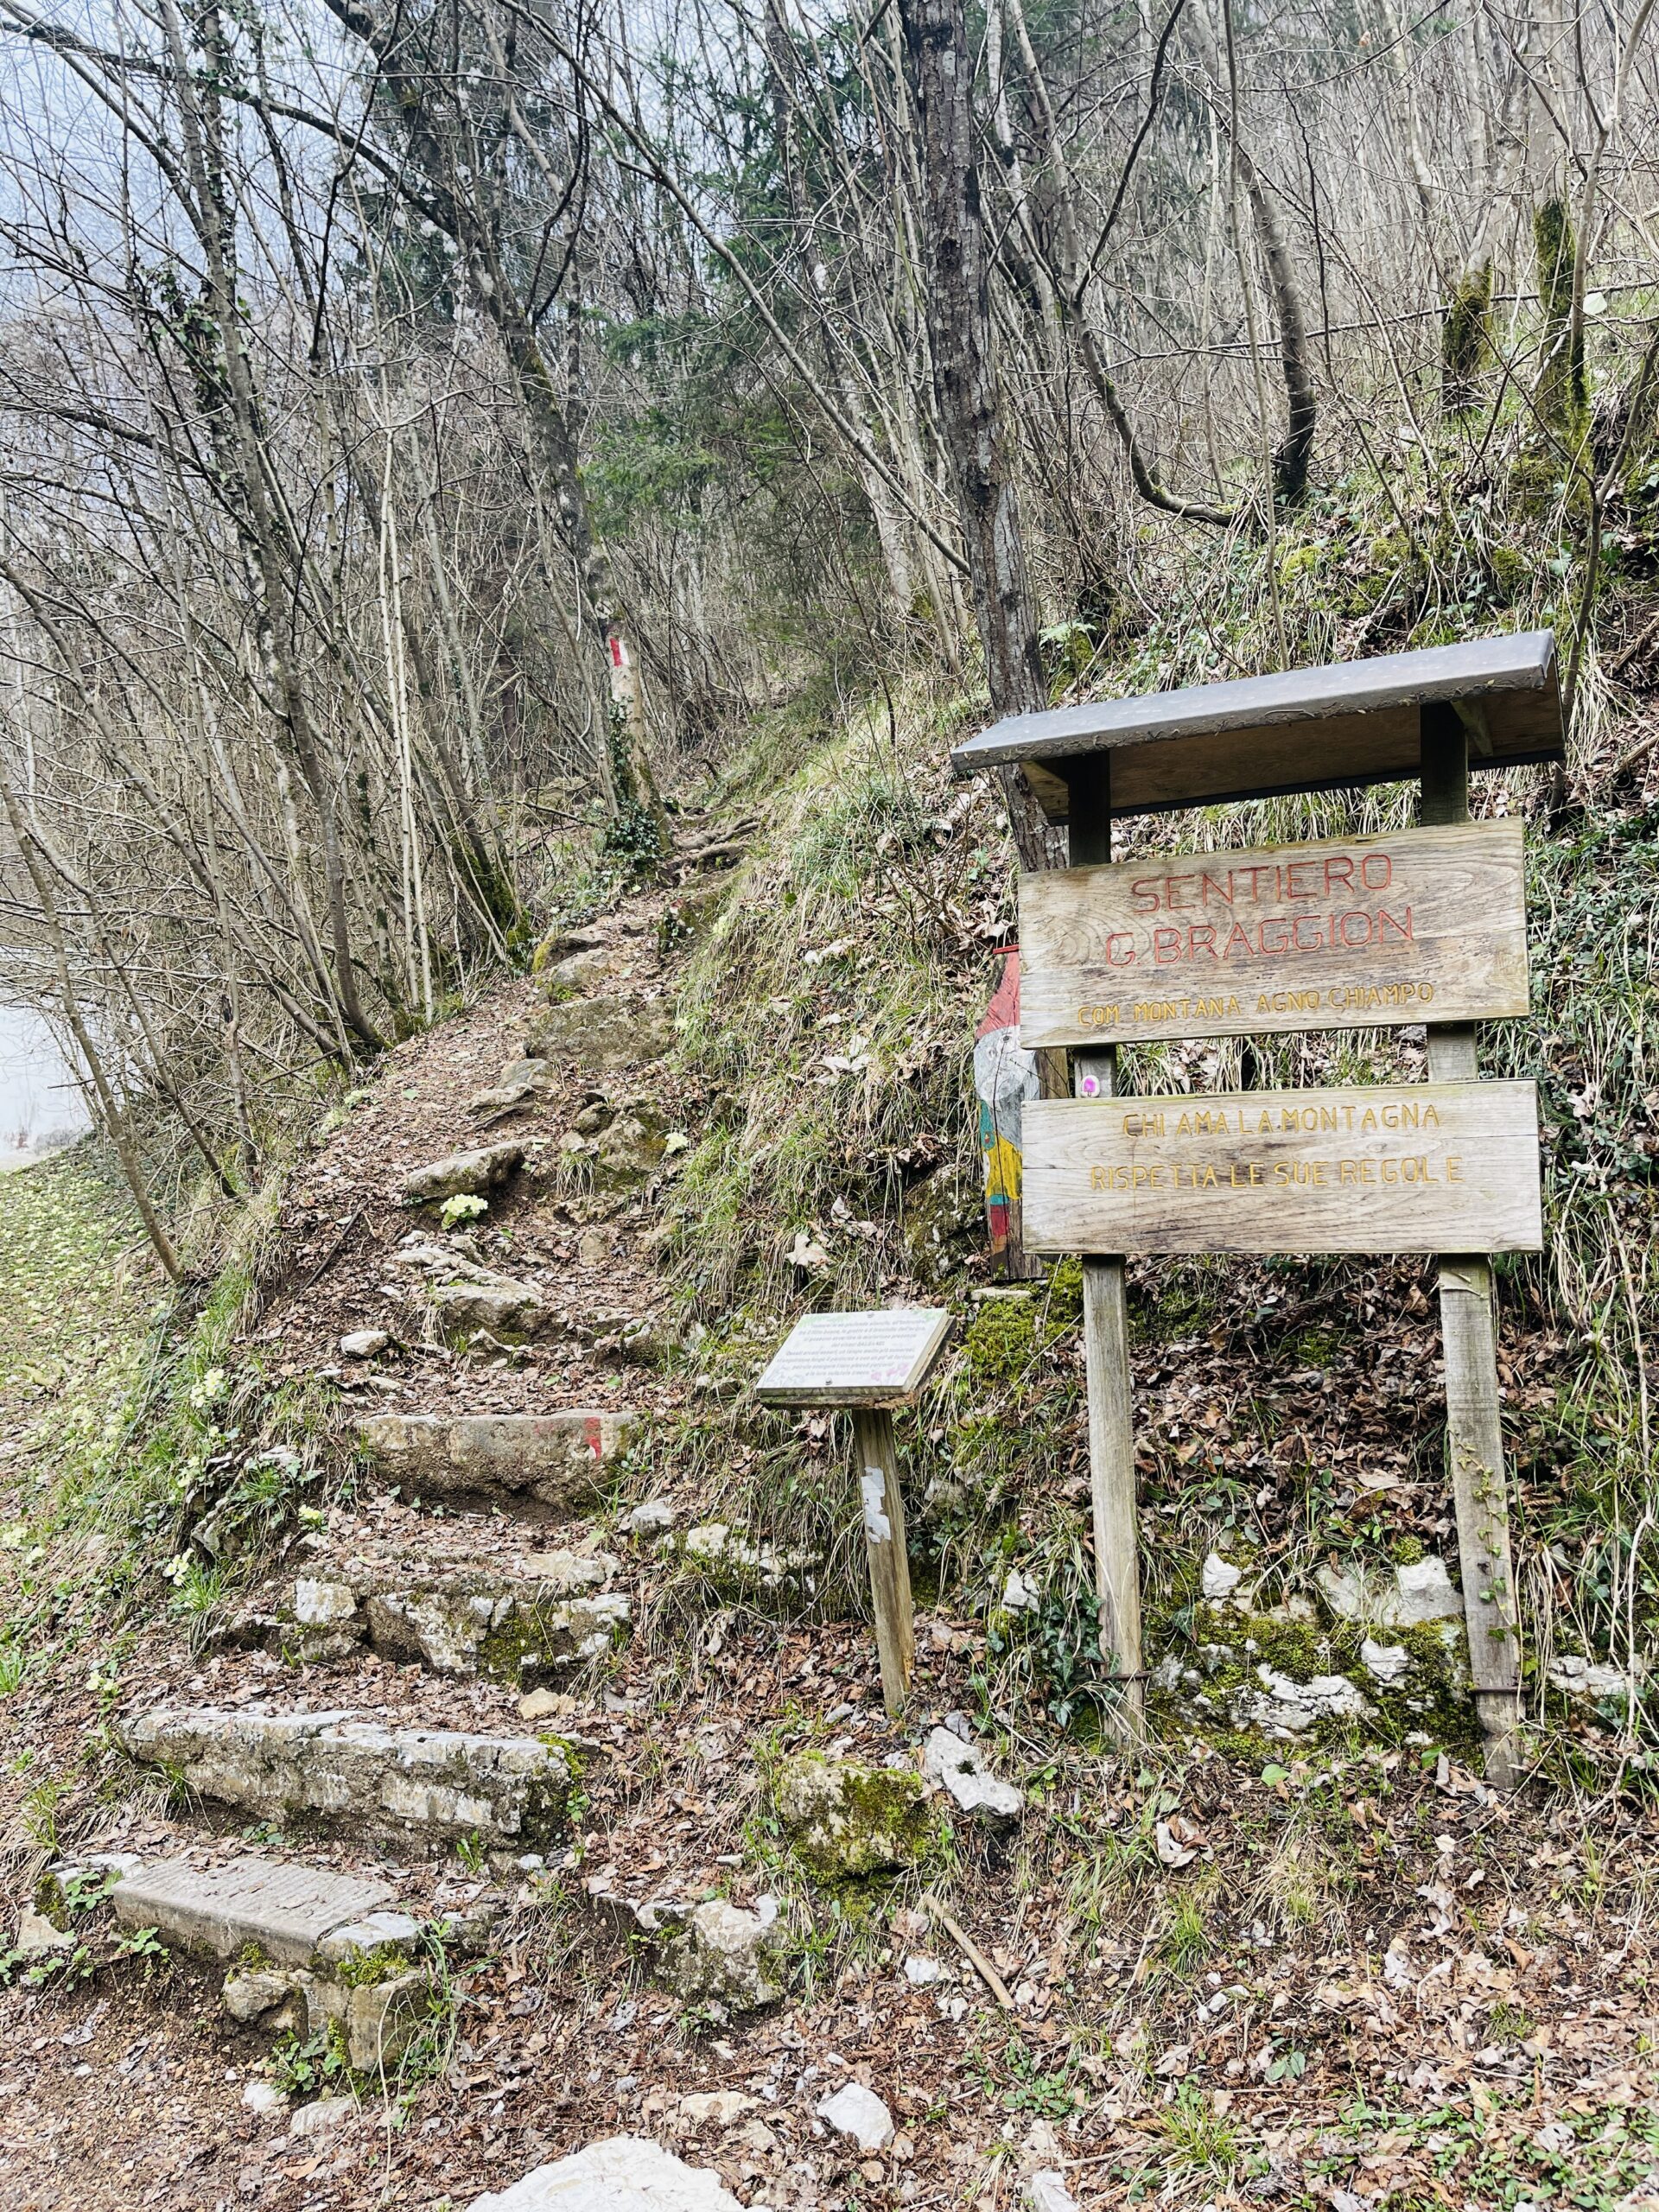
{"x":1005,"y":1076}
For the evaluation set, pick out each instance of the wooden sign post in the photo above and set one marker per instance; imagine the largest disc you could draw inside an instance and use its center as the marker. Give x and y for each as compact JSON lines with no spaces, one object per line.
{"x":1426,"y":925}
{"x":1106,"y":1335}
{"x":1423,"y":925}
{"x":865,"y":1365}
{"x":1474,"y":1427}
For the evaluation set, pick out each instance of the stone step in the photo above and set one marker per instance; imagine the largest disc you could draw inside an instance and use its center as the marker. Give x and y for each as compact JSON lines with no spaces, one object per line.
{"x":308,"y":1950}
{"x":440,"y":1783}
{"x":627,"y":2173}
{"x":546,"y":1612}
{"x":455,"y":1285}
{"x":285,"y":1911}
{"x":556,"y":1460}
{"x":603,"y":1034}
{"x":473,"y":1174}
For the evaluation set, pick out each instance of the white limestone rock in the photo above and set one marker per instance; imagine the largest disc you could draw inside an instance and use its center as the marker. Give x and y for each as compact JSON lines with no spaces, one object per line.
{"x":503,"y":1305}
{"x":845,"y":1820}
{"x":1386,"y":1662}
{"x":719,"y":1954}
{"x":1413,"y":1596}
{"x":376,"y":1932}
{"x":623,"y":2174}
{"x":36,"y":1937}
{"x":364,"y":1344}
{"x":961,"y":1769}
{"x":463,"y":1174}
{"x":650,"y":1521}
{"x":1583,"y":1681}
{"x":723,"y":2107}
{"x":1047,"y":2192}
{"x":1220,"y":1577}
{"x":724,"y":1551}
{"x":261,"y":1993}
{"x":323,"y":2117}
{"x":1019,"y":1595}
{"x":858,"y":2113}
{"x":1426,"y":1593}
{"x":516,"y":1085}
{"x":318,"y":1604}
{"x":1285,"y":1707}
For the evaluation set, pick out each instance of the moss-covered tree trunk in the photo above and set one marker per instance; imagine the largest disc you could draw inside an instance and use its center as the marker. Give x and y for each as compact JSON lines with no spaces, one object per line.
{"x":1467,"y":338}
{"x":1560,"y":393}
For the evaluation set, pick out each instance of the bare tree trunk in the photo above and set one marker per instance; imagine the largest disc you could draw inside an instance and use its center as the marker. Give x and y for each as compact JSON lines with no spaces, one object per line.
{"x":467,"y":221}
{"x":214,"y":225}
{"x":957,"y":291}
{"x":110,"y":1107}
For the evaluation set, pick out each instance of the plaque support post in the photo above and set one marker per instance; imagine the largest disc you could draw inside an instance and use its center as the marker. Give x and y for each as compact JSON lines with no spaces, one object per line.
{"x":1106,"y":1333}
{"x":884,"y":1537}
{"x":1474,"y":1428}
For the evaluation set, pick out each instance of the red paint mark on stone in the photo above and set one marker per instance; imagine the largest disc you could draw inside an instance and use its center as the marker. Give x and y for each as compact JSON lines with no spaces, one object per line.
{"x":593,"y":1431}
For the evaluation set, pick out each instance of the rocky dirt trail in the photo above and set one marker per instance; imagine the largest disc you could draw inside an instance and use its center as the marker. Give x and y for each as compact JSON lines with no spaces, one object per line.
{"x":504,"y":1856}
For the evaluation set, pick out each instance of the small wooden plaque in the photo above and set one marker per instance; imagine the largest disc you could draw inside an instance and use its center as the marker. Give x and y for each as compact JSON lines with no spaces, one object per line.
{"x":855,"y":1359}
{"x":1418,"y":1167}
{"x":1355,"y":933}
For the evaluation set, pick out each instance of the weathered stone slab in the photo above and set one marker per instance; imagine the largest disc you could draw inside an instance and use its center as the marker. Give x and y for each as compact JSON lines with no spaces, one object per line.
{"x":286,"y":1909}
{"x":463,"y":1174}
{"x":554,"y":1457}
{"x":1413,"y":1595}
{"x":503,"y":1305}
{"x":442,"y":1782}
{"x":506,"y":1635}
{"x":625,"y":2174}
{"x":603,"y":1035}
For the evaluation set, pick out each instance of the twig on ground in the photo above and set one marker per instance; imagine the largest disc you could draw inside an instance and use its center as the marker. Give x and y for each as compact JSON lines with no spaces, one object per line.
{"x":970,"y":1951}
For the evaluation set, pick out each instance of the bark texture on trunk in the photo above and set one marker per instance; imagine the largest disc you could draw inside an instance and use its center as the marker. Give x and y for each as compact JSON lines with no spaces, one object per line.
{"x":956,"y":270}
{"x":469,"y":218}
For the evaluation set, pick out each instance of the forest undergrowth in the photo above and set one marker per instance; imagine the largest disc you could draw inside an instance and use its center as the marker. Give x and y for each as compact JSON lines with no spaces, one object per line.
{"x":1289,"y":1418}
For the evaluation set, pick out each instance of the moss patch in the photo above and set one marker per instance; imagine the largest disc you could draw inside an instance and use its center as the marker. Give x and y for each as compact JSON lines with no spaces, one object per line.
{"x":846,"y":1820}
{"x":1212,"y":1658}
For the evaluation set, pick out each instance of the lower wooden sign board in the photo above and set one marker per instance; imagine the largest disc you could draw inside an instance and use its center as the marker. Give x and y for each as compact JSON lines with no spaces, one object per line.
{"x":1354,"y":932}
{"x":877,"y":1358}
{"x":1419,"y":1167}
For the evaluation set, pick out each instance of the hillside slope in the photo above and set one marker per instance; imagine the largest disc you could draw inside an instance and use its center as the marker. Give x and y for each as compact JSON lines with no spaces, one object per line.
{"x":1280,"y":1953}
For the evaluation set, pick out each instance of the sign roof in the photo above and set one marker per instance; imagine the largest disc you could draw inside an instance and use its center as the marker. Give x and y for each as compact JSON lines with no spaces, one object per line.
{"x":1327,"y":728}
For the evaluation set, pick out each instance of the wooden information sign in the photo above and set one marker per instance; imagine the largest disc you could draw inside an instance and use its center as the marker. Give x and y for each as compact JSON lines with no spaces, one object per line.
{"x":1419,"y":925}
{"x":1418,"y":1167}
{"x":855,"y":1359}
{"x":867,"y":1363}
{"x":1306,"y":956}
